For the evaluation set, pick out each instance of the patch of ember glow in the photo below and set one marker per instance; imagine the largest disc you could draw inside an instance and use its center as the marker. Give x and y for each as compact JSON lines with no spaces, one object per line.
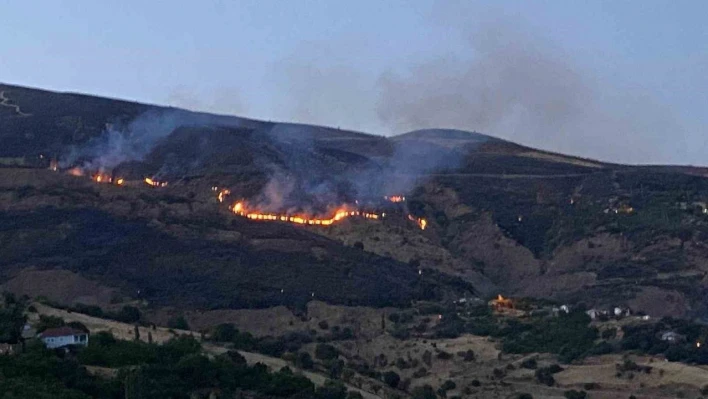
{"x":155,"y":183}
{"x":395,"y":198}
{"x":75,"y":172}
{"x":222,"y":194}
{"x":422,"y":223}
{"x":100,"y":177}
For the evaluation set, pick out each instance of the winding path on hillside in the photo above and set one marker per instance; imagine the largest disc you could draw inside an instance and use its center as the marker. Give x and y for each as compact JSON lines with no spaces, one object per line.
{"x":5,"y":102}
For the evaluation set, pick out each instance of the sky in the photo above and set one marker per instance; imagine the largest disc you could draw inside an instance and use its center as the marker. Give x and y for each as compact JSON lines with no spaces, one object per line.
{"x":623,"y":81}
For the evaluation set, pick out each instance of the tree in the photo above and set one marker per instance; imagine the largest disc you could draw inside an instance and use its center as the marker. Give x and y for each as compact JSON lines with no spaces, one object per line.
{"x":225,"y":332}
{"x":326,"y":352}
{"x":304,"y":361}
{"x":149,"y":337}
{"x":179,"y":323}
{"x":331,"y":390}
{"x":448,"y":385}
{"x":128,"y":314}
{"x":573,"y":394}
{"x":136,"y":333}
{"x":392,"y":379}
{"x":354,"y":395}
{"x":424,"y":392}
{"x":47,"y":322}
{"x":77,"y":325}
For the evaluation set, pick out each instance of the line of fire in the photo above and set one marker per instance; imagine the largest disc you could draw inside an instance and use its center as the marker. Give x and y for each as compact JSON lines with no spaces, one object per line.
{"x":244,"y":209}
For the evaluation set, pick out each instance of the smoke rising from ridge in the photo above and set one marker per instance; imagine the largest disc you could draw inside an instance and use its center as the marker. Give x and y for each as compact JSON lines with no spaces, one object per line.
{"x":509,"y":82}
{"x":517,"y":86}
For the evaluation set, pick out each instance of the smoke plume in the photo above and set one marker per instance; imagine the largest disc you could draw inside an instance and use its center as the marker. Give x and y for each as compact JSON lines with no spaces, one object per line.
{"x":515,"y":85}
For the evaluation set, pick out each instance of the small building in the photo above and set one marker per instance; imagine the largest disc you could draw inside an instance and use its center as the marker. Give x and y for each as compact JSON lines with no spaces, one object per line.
{"x":621,"y":312}
{"x":28,"y":332}
{"x":63,"y":337}
{"x":672,"y":337}
{"x":594,"y":313}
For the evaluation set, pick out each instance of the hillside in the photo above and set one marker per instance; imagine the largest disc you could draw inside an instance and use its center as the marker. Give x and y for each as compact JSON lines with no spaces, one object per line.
{"x":499,"y":217}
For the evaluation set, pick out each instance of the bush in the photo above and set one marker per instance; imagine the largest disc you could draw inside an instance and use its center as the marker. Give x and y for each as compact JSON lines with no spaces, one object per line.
{"x":130,"y":314}
{"x":545,"y":376}
{"x":573,"y":394}
{"x":391,"y":378}
{"x":304,"y":361}
{"x":428,"y":358}
{"x":589,"y":386}
{"x":421,"y":372}
{"x":468,"y":355}
{"x":47,"y":322}
{"x":224,"y":333}
{"x":442,"y":355}
{"x":448,"y":385}
{"x":331,"y":390}
{"x":178,"y":323}
{"x":323,"y":325}
{"x":326,"y":352}
{"x":423,"y":392}
{"x":530,"y":364}
{"x":524,"y":396}
{"x":704,"y":390}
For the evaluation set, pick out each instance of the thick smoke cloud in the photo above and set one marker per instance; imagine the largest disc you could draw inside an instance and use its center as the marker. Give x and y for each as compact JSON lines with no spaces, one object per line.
{"x":515,"y":85}
{"x":507,"y":81}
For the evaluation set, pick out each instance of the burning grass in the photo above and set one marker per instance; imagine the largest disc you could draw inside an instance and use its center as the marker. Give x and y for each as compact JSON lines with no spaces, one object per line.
{"x":241,"y":209}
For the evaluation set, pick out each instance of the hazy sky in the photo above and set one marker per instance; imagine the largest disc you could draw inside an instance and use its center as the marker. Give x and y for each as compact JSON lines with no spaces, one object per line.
{"x":617,"y":80}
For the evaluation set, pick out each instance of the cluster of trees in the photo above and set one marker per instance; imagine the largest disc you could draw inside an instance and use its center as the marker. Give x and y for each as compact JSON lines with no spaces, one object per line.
{"x":647,"y":339}
{"x":176,"y":370}
{"x":38,"y":373}
{"x":12,"y":319}
{"x":273,"y":346}
{"x":568,"y":335}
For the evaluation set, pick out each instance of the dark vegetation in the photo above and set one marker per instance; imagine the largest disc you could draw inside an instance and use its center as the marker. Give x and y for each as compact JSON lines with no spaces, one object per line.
{"x":12,"y":319}
{"x":177,"y":369}
{"x":690,"y":348}
{"x":131,"y":255}
{"x":567,"y":335}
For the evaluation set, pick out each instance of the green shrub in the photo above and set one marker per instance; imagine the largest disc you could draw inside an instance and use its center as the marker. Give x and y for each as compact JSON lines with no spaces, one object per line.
{"x":178,"y":323}
{"x":391,"y":378}
{"x":326,"y":352}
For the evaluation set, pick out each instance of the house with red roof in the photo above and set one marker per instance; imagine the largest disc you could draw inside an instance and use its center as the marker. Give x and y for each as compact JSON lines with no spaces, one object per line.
{"x":63,"y":336}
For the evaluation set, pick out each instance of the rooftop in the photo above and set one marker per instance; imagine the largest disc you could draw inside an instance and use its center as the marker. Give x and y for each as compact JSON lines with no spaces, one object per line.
{"x":60,"y":332}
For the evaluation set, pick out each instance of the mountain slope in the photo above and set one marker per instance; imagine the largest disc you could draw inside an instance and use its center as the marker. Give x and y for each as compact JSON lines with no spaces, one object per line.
{"x":500,"y":216}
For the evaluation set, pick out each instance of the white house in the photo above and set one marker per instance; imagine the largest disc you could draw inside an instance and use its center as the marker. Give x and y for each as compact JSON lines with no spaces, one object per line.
{"x":671,"y":336}
{"x":63,"y":336}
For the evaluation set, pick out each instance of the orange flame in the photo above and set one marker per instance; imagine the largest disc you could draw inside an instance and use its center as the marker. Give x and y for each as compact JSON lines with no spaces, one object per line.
{"x":101,"y":177}
{"x":222,"y":194}
{"x":396,"y":198}
{"x":155,"y":183}
{"x":422,"y":223}
{"x":342,"y":213}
